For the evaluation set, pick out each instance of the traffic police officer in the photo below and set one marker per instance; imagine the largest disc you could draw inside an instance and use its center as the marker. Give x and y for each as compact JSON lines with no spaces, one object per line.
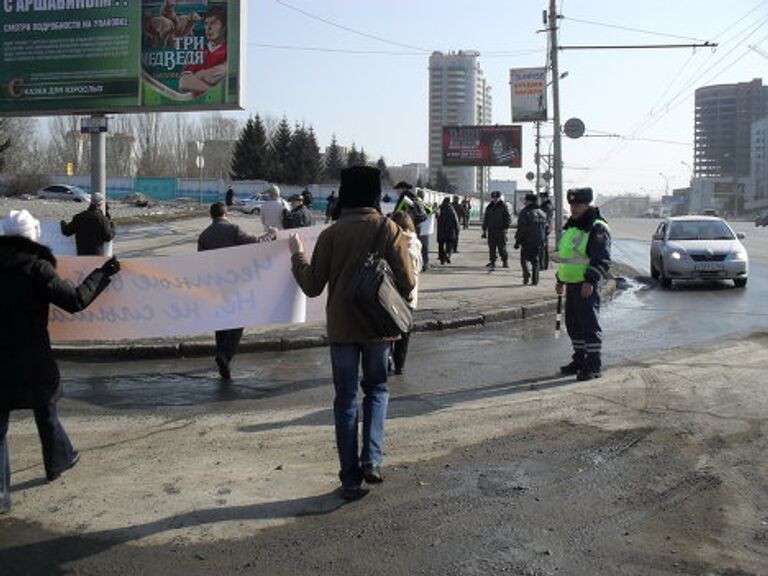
{"x":584,"y":257}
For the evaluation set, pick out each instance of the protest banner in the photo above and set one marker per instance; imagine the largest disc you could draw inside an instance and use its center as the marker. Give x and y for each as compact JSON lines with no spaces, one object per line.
{"x":242,"y":286}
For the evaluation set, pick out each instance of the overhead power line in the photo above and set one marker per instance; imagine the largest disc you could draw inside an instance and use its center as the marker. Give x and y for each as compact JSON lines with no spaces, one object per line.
{"x":617,"y":27}
{"x":492,"y":54}
{"x":348,"y":29}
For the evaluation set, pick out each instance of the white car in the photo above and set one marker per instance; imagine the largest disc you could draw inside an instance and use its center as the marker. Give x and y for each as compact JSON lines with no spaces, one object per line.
{"x":64,"y":192}
{"x":698,"y":248}
{"x":252,"y":205}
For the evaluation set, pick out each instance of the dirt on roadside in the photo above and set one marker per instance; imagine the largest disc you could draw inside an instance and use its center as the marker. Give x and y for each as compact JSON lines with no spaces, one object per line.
{"x":658,"y":468}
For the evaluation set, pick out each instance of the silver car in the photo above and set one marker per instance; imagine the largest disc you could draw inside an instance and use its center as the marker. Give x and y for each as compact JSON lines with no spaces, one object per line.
{"x":253,"y":204}
{"x":698,"y":248}
{"x":64,"y":192}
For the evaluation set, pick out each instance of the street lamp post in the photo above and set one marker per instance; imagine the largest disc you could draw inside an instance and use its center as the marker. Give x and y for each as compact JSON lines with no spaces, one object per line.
{"x":666,"y":183}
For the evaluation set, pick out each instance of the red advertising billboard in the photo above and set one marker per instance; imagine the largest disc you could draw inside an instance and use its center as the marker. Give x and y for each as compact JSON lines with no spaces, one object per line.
{"x":482,"y":146}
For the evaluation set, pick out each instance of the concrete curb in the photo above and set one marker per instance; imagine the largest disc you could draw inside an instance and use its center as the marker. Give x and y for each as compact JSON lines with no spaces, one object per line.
{"x":311,"y":337}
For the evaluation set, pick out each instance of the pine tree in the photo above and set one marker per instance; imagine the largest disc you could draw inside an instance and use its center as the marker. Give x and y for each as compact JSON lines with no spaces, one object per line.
{"x":281,"y":143}
{"x":386,"y":178}
{"x":292,"y":167}
{"x":353,"y":156}
{"x":312,"y":164}
{"x":333,"y":161}
{"x":251,"y":156}
{"x":362,"y":158}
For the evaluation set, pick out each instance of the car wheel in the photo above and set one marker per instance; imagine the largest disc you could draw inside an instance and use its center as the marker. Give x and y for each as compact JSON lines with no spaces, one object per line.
{"x":666,"y":282}
{"x":740,"y":282}
{"x":253,"y":211}
{"x":654,"y":272}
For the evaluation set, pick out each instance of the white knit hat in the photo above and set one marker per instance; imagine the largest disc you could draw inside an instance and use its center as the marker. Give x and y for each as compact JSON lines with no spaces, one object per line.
{"x":21,"y":223}
{"x":97,"y":198}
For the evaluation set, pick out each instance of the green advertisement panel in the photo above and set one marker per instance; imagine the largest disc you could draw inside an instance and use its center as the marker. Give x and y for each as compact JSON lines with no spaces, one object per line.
{"x":190,"y":54}
{"x":83,"y":56}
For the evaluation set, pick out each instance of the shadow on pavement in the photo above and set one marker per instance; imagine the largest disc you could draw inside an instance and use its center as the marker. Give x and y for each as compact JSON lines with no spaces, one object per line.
{"x":29,"y":550}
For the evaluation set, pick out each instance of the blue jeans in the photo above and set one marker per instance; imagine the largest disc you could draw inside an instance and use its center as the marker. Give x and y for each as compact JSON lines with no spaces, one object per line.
{"x":57,"y":449}
{"x":345,"y":362}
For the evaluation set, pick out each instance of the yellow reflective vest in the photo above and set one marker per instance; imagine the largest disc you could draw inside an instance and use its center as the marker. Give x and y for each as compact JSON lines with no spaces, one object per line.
{"x":572,"y":257}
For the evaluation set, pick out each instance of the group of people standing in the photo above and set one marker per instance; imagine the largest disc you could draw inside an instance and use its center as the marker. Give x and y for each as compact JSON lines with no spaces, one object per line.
{"x":29,"y":284}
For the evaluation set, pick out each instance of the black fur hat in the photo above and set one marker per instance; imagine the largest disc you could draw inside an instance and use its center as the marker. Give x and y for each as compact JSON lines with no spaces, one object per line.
{"x":580,"y":196}
{"x":360,"y":187}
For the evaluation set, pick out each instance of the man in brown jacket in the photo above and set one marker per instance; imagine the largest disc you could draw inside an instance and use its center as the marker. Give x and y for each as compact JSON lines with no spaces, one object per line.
{"x":339,"y":251}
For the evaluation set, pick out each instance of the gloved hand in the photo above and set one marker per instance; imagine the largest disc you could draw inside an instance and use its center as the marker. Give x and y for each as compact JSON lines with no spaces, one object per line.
{"x":517,"y":246}
{"x":483,"y":235}
{"x":110,"y":267}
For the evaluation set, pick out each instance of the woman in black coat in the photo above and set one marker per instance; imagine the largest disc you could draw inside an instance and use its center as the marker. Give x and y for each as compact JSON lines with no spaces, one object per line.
{"x":28,"y":285}
{"x":447,"y":231}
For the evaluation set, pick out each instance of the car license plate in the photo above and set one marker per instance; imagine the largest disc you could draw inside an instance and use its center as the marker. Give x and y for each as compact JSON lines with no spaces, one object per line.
{"x":708,"y":267}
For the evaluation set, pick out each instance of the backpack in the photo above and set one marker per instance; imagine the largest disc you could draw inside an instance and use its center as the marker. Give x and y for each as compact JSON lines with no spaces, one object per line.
{"x":373,"y":290}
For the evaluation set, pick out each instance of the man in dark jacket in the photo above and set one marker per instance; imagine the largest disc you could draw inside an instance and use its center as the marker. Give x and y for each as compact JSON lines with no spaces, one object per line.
{"x":529,"y":238}
{"x":222,"y":234}
{"x":329,"y":208}
{"x":496,"y":222}
{"x":584,"y":258}
{"x":447,"y":231}
{"x":339,"y":250}
{"x":545,"y":204}
{"x":92,"y":227}
{"x":29,"y":284}
{"x":459,"y":210}
{"x":229,"y":197}
{"x":299,"y":215}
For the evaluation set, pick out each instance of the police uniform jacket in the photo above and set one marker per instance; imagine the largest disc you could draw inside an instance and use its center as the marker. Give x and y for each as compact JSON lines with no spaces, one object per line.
{"x":598,"y":244}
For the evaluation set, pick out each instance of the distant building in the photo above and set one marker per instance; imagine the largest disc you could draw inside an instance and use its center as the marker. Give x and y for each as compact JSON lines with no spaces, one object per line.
{"x":628,"y":205}
{"x":412,"y":173}
{"x":458,"y":95}
{"x":723,"y":128}
{"x":759,"y":171}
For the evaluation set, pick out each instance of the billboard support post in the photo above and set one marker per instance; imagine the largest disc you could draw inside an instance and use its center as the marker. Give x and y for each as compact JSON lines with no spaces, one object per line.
{"x":96,"y":127}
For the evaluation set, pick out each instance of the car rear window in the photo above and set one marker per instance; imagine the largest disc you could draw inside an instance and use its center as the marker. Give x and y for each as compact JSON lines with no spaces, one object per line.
{"x":700,"y":230}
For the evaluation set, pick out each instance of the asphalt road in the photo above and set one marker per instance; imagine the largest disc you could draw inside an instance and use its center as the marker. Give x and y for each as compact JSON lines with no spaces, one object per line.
{"x":495,"y":464}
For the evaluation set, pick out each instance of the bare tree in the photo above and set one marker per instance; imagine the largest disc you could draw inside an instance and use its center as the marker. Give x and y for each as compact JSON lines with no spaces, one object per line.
{"x":18,"y":153}
{"x":66,"y":144}
{"x":152,"y":142}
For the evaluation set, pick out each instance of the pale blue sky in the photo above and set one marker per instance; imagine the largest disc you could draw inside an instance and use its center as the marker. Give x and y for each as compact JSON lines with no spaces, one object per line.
{"x":379,"y":100}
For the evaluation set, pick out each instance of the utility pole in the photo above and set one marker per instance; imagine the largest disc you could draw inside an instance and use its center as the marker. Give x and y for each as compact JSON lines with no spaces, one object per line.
{"x":538,"y":157}
{"x":558,"y":163}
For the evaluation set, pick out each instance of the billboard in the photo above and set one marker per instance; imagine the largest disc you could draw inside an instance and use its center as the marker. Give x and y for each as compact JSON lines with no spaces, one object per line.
{"x":529,"y":94}
{"x":84,"y":56}
{"x":482,"y":146}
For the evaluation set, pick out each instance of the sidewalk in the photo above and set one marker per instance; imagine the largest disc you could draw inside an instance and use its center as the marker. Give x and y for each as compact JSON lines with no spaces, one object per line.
{"x":463,"y":293}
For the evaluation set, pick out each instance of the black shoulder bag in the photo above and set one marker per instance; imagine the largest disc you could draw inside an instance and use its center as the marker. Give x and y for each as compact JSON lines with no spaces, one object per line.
{"x":373,"y":290}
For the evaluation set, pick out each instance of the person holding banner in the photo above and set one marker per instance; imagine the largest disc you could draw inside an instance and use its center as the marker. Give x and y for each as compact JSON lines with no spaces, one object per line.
{"x":92,"y":227}
{"x":340,"y":250}
{"x":29,"y":284}
{"x":222,"y":234}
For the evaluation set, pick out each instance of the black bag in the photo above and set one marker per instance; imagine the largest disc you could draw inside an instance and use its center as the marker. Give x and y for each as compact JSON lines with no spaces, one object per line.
{"x":373,"y":290}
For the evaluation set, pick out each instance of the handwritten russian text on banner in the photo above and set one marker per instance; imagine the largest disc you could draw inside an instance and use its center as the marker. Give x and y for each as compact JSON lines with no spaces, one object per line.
{"x":181,"y":295}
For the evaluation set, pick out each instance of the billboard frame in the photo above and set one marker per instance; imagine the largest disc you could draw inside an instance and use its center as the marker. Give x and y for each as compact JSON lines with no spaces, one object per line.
{"x":235,"y":40}
{"x":479,"y":144}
